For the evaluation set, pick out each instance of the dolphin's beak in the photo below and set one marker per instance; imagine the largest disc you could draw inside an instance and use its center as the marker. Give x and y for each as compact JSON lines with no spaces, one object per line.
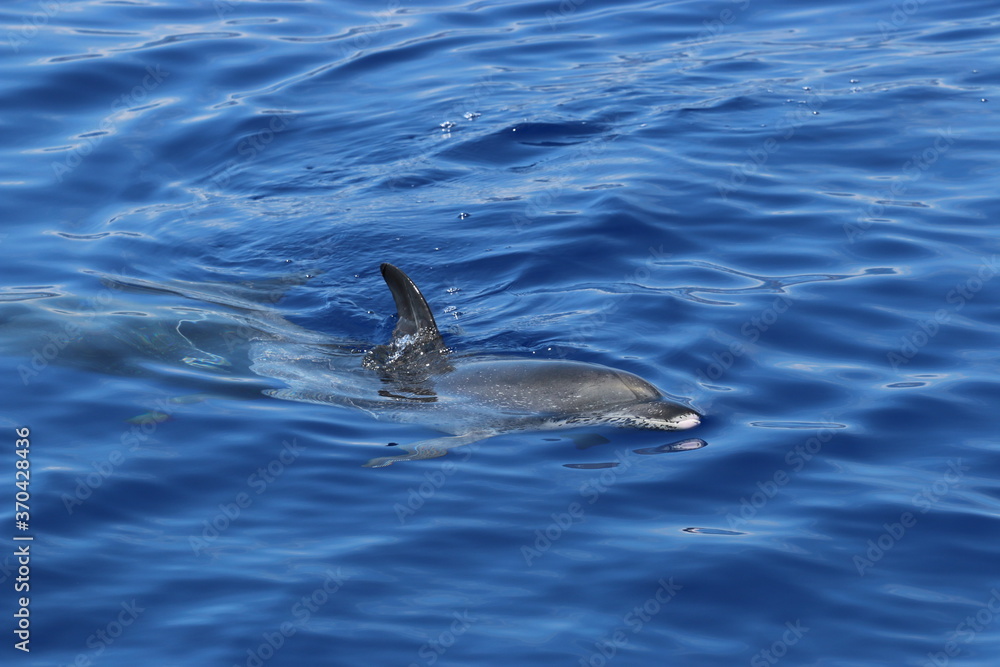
{"x":688,"y":422}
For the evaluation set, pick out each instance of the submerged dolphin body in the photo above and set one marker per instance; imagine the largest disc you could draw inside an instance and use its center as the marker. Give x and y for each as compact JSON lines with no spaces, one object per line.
{"x":486,"y":395}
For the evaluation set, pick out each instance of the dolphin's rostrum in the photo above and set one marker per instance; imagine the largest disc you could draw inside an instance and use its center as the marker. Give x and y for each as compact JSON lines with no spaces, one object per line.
{"x":486,"y":395}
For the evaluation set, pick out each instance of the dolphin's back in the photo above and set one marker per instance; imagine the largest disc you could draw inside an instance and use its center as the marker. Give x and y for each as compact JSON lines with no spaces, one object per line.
{"x":541,"y":386}
{"x":493,"y":392}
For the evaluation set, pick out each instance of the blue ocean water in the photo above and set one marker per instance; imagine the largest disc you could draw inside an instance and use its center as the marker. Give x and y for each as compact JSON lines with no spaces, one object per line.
{"x":784,"y":214}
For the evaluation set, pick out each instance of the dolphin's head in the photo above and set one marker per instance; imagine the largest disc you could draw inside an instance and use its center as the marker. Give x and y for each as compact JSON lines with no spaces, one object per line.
{"x":657,"y":415}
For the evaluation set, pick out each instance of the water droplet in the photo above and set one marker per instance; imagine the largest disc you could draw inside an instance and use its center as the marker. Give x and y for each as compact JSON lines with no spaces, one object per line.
{"x":447,"y":125}
{"x":472,"y":115}
{"x":983,"y":100}
{"x":463,"y":215}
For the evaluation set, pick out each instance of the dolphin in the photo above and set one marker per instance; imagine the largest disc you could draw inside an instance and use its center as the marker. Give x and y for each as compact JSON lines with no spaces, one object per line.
{"x":483,"y":395}
{"x":414,"y":378}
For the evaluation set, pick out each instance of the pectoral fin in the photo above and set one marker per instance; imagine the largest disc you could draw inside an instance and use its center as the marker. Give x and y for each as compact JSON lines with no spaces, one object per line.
{"x":426,"y":449}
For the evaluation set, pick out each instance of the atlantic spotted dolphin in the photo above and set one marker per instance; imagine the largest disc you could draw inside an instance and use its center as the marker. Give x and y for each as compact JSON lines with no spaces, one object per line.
{"x":414,"y":378}
{"x":477,"y":396}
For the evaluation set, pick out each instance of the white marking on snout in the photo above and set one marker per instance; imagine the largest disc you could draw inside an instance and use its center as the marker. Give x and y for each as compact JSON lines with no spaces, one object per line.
{"x":687,"y":422}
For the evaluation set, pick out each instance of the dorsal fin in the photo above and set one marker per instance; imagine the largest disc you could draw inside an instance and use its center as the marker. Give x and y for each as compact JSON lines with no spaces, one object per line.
{"x":415,"y":317}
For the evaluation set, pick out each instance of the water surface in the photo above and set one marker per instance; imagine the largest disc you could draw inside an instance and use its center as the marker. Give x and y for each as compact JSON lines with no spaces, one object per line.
{"x":783,"y":214}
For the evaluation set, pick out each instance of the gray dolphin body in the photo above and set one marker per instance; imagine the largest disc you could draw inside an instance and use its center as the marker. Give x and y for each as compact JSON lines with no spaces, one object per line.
{"x":486,"y":395}
{"x":414,"y":378}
